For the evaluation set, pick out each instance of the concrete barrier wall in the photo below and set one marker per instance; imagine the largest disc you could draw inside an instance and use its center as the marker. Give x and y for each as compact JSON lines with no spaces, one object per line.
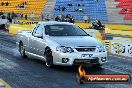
{"x":84,"y":25}
{"x":117,"y":29}
{"x":14,"y":28}
{"x":109,"y":26}
{"x":119,"y":32}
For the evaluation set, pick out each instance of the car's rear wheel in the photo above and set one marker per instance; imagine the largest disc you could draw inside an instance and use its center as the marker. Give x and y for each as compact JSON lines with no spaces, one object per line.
{"x":49,"y":58}
{"x":22,"y":50}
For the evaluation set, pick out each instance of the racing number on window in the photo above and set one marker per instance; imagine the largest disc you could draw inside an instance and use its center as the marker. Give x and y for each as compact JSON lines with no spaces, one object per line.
{"x":38,"y":30}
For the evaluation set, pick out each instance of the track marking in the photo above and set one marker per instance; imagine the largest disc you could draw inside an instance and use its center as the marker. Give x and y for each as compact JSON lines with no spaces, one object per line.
{"x":3,"y":84}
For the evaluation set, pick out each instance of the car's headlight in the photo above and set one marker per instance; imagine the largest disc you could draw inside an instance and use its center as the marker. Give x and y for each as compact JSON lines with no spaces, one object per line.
{"x":64,"y":49}
{"x":100,"y":49}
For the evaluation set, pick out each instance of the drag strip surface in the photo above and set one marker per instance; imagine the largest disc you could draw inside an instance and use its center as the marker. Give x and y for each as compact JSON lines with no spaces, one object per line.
{"x":32,"y":73}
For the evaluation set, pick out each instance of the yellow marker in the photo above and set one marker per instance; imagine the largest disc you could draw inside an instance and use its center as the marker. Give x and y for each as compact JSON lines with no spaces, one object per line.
{"x":4,"y":84}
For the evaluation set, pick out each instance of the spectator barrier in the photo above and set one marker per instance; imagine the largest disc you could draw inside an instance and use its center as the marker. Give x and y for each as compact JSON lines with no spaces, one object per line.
{"x":117,"y":31}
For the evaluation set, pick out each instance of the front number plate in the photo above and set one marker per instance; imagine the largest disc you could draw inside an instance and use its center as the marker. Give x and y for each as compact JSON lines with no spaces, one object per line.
{"x":87,"y":55}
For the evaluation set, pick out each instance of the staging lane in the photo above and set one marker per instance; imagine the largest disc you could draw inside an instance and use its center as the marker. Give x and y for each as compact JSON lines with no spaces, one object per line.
{"x":26,"y":73}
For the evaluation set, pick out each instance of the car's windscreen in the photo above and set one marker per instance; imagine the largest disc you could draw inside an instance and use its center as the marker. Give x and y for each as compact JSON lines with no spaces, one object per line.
{"x":64,"y":30}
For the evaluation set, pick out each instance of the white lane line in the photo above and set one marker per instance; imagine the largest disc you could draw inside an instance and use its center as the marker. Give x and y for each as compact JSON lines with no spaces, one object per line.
{"x":121,"y":57}
{"x":110,"y":55}
{"x":2,"y":85}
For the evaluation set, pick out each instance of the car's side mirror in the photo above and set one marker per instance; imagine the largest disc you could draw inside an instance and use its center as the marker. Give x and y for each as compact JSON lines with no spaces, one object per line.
{"x":39,"y":35}
{"x":80,"y":27}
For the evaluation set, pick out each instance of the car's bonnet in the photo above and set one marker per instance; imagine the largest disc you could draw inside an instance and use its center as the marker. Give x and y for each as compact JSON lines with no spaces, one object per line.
{"x":75,"y":41}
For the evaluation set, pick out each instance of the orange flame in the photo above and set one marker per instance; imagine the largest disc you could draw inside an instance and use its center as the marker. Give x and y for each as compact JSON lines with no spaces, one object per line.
{"x":81,"y":71}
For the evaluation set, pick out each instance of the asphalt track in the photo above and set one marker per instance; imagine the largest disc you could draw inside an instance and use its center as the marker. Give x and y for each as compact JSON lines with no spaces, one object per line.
{"x":32,"y":73}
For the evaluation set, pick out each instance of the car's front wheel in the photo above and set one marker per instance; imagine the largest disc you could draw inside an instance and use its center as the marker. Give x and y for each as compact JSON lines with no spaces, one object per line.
{"x":49,"y":58}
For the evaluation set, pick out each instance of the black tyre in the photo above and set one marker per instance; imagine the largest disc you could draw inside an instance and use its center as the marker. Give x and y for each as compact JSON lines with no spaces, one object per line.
{"x":22,"y":50}
{"x":49,"y":58}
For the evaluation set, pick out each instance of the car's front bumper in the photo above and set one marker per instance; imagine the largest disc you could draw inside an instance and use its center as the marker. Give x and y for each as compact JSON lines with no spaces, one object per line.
{"x":77,"y":58}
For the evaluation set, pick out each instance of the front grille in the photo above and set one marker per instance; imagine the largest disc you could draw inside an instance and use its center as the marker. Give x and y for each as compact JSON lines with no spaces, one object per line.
{"x":85,"y":49}
{"x":85,"y":61}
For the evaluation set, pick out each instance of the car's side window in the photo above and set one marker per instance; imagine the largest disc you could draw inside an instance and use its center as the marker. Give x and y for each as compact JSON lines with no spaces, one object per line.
{"x":34,"y":30}
{"x":38,"y":30}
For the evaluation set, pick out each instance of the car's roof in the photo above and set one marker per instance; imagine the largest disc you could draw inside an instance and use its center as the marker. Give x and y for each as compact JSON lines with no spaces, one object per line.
{"x":55,"y":22}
